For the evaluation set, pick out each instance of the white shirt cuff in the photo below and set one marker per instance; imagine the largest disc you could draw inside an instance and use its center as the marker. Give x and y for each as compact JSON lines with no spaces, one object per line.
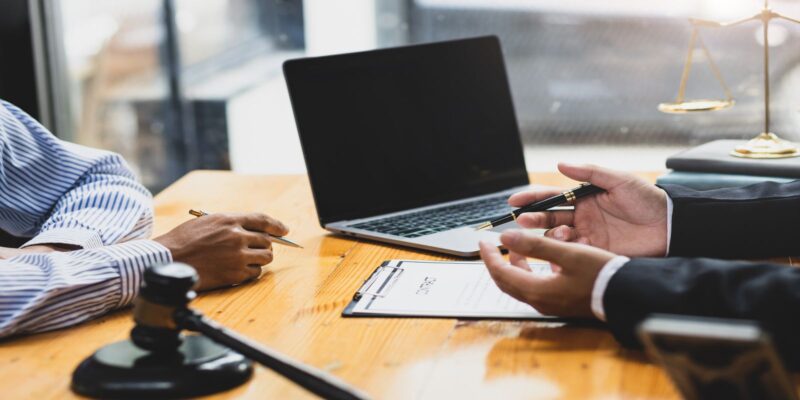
{"x":669,"y":223}
{"x":83,"y":238}
{"x":133,"y":257}
{"x":600,"y":284}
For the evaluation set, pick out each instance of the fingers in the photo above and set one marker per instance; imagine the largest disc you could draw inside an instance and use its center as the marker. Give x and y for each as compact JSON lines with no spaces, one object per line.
{"x":256,"y":240}
{"x":602,"y":177}
{"x":249,"y":266}
{"x":504,"y":275}
{"x":490,"y":254}
{"x":563,"y":233}
{"x":519,"y":261}
{"x":253,"y":272}
{"x":516,"y":282}
{"x":531,"y":196}
{"x":263,"y":223}
{"x":257,"y":256}
{"x":530,"y":245}
{"x":566,"y":292}
{"x":546,"y":220}
{"x":573,"y":258}
{"x":252,"y":261}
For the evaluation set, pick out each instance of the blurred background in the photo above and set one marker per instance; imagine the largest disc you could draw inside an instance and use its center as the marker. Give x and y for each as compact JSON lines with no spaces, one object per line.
{"x":177,"y":85}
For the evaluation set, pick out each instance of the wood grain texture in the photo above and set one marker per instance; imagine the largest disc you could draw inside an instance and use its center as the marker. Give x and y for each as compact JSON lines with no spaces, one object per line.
{"x":295,"y":308}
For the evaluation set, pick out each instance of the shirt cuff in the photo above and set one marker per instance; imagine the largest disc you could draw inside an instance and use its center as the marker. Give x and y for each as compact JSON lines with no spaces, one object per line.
{"x":669,"y":222}
{"x":83,"y":238}
{"x":132,"y":259}
{"x":600,"y":284}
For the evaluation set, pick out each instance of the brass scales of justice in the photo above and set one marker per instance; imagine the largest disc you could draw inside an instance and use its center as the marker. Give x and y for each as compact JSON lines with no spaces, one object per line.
{"x":766,"y":144}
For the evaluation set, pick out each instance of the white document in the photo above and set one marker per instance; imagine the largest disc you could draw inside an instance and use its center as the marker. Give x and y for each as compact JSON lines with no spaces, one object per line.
{"x":448,"y":289}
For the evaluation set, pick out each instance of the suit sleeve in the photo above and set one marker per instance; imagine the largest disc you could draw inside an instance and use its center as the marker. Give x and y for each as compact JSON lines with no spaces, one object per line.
{"x":767,"y":293}
{"x":756,"y":221}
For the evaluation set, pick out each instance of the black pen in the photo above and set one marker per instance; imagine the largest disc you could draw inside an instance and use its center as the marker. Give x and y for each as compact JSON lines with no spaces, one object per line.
{"x":277,"y":239}
{"x":569,"y":197}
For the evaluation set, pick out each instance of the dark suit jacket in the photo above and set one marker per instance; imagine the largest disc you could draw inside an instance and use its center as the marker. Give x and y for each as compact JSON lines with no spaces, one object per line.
{"x":752,"y":222}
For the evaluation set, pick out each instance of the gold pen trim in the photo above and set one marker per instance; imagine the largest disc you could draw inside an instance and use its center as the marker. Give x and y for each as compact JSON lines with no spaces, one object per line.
{"x":198,"y":213}
{"x":485,"y":225}
{"x":570,"y":196}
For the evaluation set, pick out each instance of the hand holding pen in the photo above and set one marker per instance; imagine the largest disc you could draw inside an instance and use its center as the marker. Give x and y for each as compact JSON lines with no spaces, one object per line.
{"x":566,"y":197}
{"x":275,"y":239}
{"x":630,"y":218}
{"x":225,"y":248}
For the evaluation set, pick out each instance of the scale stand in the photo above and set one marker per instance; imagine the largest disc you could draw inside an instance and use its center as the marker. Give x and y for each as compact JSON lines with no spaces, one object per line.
{"x":767,"y":144}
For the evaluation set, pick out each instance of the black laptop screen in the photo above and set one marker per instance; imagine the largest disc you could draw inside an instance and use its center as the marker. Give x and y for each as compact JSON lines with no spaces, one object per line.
{"x":393,"y":129}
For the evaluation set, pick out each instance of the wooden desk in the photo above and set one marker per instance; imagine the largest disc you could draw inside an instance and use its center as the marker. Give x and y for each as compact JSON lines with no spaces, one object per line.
{"x":296,"y":308}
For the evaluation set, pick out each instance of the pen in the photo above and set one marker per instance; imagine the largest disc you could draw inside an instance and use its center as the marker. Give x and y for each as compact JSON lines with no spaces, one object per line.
{"x":585,"y":189}
{"x":276,"y":239}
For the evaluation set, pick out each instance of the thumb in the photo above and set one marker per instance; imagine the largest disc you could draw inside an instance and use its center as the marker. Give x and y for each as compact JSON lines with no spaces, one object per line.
{"x":598,"y":176}
{"x":531,"y":245}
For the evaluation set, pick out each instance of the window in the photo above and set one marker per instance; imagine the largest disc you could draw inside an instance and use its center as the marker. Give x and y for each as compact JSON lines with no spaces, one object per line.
{"x":586,"y":76}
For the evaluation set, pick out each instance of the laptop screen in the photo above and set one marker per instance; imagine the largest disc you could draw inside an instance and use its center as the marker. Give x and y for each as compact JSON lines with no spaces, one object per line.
{"x":393,"y":129}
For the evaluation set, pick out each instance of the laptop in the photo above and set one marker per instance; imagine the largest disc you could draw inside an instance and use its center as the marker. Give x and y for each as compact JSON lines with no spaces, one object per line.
{"x":412,"y":145}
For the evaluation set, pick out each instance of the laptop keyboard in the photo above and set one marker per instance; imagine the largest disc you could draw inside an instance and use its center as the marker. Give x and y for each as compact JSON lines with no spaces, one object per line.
{"x":440,"y":219}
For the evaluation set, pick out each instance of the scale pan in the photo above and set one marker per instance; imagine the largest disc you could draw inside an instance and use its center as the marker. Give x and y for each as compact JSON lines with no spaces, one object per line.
{"x":695,"y":106}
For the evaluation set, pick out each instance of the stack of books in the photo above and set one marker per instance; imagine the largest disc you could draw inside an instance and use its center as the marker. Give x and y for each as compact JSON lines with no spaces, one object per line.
{"x":710,"y":166}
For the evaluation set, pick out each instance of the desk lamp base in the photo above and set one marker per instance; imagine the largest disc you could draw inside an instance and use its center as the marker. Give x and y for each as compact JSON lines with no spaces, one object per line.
{"x":123,"y":371}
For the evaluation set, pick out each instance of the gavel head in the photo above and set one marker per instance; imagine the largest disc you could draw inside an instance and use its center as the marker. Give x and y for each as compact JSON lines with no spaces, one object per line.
{"x":166,"y":289}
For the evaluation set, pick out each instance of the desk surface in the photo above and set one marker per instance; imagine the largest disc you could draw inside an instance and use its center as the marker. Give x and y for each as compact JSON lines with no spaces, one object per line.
{"x":295,"y":308}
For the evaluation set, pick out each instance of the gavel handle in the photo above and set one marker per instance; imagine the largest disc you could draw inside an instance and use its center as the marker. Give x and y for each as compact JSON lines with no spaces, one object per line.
{"x":315,"y":381}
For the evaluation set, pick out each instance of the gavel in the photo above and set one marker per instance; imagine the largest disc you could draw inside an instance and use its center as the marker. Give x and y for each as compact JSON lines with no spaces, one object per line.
{"x":161,"y":361}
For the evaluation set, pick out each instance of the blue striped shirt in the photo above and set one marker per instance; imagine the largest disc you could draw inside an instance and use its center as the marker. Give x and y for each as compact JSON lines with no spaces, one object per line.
{"x":55,"y":192}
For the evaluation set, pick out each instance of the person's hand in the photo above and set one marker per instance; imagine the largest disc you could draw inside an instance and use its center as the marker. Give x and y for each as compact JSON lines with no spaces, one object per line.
{"x":565,"y":293}
{"x":225,"y":249}
{"x":629,"y":219}
{"x":8,"y":252}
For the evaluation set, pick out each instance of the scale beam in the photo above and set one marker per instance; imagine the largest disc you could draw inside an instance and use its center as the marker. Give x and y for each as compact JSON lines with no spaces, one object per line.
{"x":716,"y":24}
{"x":766,"y":144}
{"x":790,"y":19}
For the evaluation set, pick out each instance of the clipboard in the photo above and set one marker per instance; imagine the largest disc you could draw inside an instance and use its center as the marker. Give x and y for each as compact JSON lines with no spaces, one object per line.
{"x":438,"y":289}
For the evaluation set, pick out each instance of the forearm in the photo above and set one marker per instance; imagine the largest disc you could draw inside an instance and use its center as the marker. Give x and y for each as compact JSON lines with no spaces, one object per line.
{"x":749,"y":222}
{"x":41,"y":292}
{"x":767,"y":293}
{"x":62,"y":193}
{"x":104,"y":207}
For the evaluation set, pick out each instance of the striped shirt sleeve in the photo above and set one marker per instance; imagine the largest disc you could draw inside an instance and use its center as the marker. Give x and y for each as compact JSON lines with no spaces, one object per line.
{"x":42,"y":292}
{"x":60,"y":193}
